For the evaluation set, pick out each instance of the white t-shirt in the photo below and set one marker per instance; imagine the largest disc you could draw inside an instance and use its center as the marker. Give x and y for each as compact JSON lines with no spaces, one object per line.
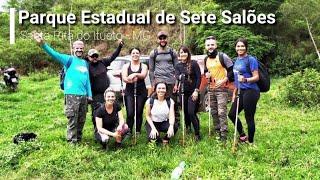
{"x":160,"y":110}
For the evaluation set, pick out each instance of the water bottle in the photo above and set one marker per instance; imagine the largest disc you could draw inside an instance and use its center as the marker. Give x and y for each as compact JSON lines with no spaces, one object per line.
{"x":176,"y":173}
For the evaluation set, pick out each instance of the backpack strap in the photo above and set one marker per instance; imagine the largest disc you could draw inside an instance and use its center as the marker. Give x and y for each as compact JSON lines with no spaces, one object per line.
{"x":205,"y":65}
{"x":156,"y":53}
{"x":152,"y":101}
{"x":69,"y":62}
{"x":221,"y":59}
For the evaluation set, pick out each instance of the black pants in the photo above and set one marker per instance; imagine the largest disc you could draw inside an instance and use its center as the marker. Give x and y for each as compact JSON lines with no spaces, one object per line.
{"x":97,"y":101}
{"x":248,"y":100}
{"x":130,"y":108}
{"x":174,"y":97}
{"x":161,"y":127}
{"x":190,"y":112}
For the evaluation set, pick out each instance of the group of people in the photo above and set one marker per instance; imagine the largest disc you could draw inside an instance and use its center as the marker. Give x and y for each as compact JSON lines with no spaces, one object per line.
{"x":171,"y":74}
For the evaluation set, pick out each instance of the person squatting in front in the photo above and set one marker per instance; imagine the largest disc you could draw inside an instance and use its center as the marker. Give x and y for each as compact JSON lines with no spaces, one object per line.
{"x":110,"y":121}
{"x":98,"y":77}
{"x":77,"y":88}
{"x":133,"y":74}
{"x":192,"y":79}
{"x":218,"y":71}
{"x":246,"y":76}
{"x":160,"y":115}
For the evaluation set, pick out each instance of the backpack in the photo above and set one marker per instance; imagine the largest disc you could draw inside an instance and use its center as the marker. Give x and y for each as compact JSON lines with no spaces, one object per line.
{"x":264,"y":78}
{"x":63,"y":71}
{"x":152,"y":101}
{"x":156,"y":53}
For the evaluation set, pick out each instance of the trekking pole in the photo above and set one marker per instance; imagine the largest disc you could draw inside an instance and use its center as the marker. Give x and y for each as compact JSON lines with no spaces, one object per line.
{"x":69,"y":31}
{"x":122,"y":90}
{"x":209,"y":107}
{"x":236,"y":121}
{"x":135,"y":112}
{"x":181,"y":78}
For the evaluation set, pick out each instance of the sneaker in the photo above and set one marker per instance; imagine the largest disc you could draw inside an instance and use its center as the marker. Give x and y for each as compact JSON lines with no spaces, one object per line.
{"x":243,"y":138}
{"x":126,"y":136}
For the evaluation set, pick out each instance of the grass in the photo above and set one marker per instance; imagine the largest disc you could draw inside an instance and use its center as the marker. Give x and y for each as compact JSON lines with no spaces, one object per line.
{"x":287,"y":143}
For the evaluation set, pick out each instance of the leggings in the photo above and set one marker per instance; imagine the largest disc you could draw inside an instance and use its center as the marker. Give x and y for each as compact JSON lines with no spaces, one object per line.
{"x":190,"y":112}
{"x":248,"y":100}
{"x":130,"y":108}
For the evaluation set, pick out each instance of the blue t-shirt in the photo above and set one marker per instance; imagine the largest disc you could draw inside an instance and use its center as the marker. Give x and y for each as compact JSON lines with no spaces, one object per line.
{"x":77,"y":81}
{"x":245,"y":66}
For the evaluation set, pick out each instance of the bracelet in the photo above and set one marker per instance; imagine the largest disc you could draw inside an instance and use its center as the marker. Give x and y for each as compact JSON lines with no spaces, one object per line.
{"x":245,"y":80}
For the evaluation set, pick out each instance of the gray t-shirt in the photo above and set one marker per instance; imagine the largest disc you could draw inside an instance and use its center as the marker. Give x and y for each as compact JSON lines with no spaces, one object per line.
{"x":162,"y":69}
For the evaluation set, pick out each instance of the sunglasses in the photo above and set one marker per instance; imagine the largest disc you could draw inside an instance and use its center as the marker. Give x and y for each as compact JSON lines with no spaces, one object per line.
{"x":95,"y":56}
{"x":162,"y":38}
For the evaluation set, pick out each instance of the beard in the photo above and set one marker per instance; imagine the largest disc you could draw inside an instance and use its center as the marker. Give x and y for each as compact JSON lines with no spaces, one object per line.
{"x":212,"y":54}
{"x":165,"y":44}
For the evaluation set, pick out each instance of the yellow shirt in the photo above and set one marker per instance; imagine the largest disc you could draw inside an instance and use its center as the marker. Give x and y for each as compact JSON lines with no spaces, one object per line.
{"x":217,"y":71}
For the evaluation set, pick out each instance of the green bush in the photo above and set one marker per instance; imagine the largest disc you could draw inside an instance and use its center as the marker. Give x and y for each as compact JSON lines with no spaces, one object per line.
{"x":302,"y":88}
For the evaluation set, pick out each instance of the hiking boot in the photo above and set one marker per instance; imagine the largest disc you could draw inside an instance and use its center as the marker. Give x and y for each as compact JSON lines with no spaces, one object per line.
{"x":197,"y":138}
{"x":223,"y":138}
{"x":165,"y":142}
{"x":118,"y":145}
{"x":104,"y":145}
{"x":243,"y":138}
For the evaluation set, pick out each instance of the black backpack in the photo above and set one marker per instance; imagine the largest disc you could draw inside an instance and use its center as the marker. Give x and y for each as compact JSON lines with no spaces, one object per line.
{"x":63,"y":71}
{"x":264,"y":78}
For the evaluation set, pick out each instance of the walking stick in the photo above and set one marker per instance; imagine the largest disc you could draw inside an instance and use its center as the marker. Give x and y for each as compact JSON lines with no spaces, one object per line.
{"x":181,"y":78}
{"x":122,"y":90}
{"x":236,"y":121}
{"x":135,"y":112}
{"x":209,"y":107}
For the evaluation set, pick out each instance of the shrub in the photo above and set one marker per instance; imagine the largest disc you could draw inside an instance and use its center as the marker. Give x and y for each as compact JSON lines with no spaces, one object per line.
{"x":302,"y":88}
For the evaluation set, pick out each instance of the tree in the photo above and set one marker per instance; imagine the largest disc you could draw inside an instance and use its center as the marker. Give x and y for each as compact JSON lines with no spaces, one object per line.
{"x":304,"y":14}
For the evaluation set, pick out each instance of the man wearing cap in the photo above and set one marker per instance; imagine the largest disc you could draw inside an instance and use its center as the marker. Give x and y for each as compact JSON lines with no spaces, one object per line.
{"x":161,"y":67}
{"x":98,"y":76}
{"x":76,"y":86}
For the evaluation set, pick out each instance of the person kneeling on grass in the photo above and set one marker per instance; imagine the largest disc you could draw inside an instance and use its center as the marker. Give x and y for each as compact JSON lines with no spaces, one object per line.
{"x":160,"y":115}
{"x":110,"y":121}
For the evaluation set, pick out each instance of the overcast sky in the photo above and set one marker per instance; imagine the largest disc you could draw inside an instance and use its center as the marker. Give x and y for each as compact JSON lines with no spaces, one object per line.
{"x":2,"y":2}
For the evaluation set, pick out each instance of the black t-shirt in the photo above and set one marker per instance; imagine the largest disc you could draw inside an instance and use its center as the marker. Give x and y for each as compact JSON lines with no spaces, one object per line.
{"x":109,"y":121}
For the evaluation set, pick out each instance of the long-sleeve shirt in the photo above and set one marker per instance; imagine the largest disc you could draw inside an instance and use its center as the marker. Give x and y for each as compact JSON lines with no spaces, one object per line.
{"x":77,"y":80}
{"x":192,"y":78}
{"x":161,"y":67}
{"x":98,"y":73}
